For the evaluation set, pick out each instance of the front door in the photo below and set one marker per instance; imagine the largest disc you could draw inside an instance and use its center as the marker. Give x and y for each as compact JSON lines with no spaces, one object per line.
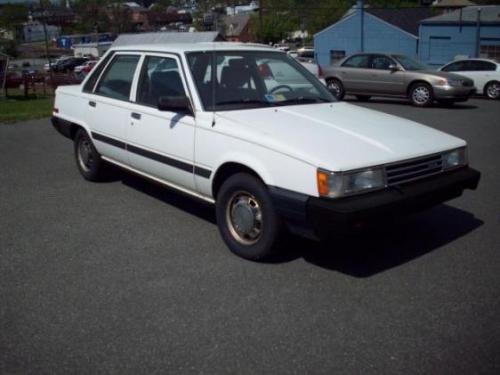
{"x":161,"y":143}
{"x":384,"y":80}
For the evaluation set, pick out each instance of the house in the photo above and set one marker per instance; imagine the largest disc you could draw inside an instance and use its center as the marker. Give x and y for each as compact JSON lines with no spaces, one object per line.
{"x":371,"y":30}
{"x":446,"y":6}
{"x":242,"y":9}
{"x":471,"y":31}
{"x":34,"y":31}
{"x":237,"y":28}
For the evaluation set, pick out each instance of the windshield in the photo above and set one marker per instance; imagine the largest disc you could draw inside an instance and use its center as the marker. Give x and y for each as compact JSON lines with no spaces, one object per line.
{"x":253,"y":79}
{"x":410,"y":64}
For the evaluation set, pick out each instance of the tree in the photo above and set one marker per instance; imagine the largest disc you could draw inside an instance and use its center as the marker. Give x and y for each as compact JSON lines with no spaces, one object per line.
{"x":12,"y":15}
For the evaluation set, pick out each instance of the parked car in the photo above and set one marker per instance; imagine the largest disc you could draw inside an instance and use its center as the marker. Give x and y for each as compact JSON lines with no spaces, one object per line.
{"x":484,"y":72}
{"x":377,"y":74}
{"x":68,"y":65}
{"x":47,"y":66}
{"x":269,"y":158}
{"x":13,"y":80}
{"x":86,"y":67}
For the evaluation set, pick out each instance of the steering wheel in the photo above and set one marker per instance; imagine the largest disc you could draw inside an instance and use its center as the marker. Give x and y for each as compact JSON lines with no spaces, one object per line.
{"x":279,"y":87}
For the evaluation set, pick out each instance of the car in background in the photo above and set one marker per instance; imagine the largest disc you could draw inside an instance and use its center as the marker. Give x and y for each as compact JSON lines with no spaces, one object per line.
{"x":86,"y":67}
{"x":393,"y":75}
{"x":13,"y":80}
{"x":484,"y":72}
{"x":47,"y":66}
{"x":68,"y":65}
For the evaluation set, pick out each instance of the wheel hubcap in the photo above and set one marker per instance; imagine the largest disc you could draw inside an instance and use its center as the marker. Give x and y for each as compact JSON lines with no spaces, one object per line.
{"x":244,"y":217}
{"x":85,"y":157}
{"x":335,"y":87}
{"x":421,"y":94}
{"x":493,"y":90}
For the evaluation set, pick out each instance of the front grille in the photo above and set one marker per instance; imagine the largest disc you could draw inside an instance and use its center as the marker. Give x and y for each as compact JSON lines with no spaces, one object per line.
{"x":399,"y":173}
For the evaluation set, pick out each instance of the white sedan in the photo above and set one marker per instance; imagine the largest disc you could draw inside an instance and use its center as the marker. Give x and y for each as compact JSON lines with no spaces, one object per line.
{"x":250,"y":130}
{"x":484,"y":72}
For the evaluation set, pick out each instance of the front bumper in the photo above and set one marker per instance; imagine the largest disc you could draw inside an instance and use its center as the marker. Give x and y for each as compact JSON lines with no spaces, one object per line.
{"x":456,"y":93}
{"x":320,"y":217}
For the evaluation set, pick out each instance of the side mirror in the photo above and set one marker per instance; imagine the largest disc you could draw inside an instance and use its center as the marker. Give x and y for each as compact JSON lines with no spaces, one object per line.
{"x":178,"y":104}
{"x":394,"y":68}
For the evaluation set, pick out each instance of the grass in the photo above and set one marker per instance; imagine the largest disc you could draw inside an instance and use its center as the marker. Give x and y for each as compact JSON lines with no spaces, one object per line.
{"x":17,"y":108}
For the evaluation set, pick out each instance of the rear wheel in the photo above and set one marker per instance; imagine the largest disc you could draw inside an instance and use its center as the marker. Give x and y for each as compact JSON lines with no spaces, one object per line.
{"x":421,"y":94}
{"x":363,"y":98}
{"x":88,"y":160}
{"x":492,"y":90}
{"x":246,"y":217}
{"x":336,"y":88}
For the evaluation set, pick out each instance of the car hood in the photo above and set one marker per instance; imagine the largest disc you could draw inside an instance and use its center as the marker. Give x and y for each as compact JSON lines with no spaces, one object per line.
{"x":336,"y":136}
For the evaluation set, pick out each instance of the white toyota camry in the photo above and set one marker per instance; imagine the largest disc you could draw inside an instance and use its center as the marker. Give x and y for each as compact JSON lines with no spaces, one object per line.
{"x":249,"y":129}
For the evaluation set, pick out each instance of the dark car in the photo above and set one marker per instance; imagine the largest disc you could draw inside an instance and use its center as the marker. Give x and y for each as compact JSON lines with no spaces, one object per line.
{"x":13,"y":80}
{"x":68,"y":65}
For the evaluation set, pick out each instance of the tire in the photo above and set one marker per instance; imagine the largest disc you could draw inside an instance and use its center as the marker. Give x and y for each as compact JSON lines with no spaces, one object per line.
{"x":88,"y":160}
{"x":446,"y":102}
{"x":421,"y":94}
{"x":492,"y":90}
{"x":247,"y":219}
{"x":363,"y":98}
{"x":336,"y":88}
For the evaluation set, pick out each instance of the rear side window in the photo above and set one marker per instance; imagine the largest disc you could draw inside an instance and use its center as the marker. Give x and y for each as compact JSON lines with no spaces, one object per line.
{"x":481,"y":66}
{"x":358,"y":61}
{"x":117,"y":80}
{"x":89,"y":85}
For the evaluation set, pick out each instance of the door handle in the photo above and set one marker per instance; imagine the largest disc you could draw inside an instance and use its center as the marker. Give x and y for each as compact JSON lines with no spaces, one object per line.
{"x":136,"y":116}
{"x":92,"y":104}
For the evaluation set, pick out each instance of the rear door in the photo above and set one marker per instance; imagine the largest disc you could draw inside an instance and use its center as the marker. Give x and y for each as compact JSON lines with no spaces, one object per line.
{"x":161,"y":143}
{"x":108,"y":106}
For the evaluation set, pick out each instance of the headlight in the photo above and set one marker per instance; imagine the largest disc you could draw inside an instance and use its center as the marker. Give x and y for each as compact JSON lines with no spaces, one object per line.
{"x":455,"y":158}
{"x":338,"y":184}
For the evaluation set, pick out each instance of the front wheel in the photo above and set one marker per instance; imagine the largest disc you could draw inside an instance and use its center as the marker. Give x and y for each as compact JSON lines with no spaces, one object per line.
{"x":336,"y":88}
{"x":492,"y":90}
{"x":246,"y":217}
{"x":421,"y":94}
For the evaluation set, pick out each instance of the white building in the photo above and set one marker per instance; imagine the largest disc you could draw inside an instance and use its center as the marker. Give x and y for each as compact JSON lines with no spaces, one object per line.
{"x":33,"y":31}
{"x":91,"y":49}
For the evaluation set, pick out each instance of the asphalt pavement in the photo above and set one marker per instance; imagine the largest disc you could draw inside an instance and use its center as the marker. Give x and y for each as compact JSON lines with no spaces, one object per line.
{"x":126,"y":277}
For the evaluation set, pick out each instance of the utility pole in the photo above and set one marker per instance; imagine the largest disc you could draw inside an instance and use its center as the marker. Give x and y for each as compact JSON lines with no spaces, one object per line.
{"x":261,"y":20}
{"x":44,"y":24}
{"x":478,"y":32}
{"x":361,"y":6}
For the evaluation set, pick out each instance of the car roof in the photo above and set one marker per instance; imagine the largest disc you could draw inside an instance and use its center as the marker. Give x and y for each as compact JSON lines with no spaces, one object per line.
{"x":473,"y":59}
{"x":196,"y":47}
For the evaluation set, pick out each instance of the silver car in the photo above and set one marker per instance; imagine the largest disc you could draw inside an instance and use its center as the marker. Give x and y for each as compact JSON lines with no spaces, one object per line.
{"x":379,"y":74}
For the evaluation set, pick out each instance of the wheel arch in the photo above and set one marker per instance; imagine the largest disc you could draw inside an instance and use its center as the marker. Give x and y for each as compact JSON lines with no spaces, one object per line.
{"x":414,"y":82}
{"x":487,"y":83}
{"x":230,"y":168}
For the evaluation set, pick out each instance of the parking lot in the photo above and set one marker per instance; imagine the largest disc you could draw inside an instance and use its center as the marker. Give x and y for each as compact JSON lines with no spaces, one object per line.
{"x":128,"y":277}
